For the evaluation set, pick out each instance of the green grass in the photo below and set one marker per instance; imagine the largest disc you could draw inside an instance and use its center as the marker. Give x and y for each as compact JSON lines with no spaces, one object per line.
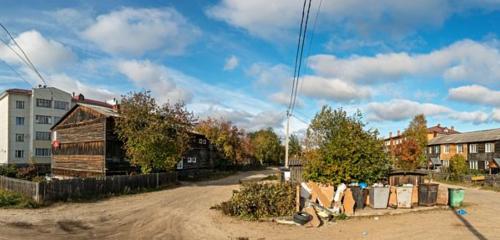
{"x":15,"y":200}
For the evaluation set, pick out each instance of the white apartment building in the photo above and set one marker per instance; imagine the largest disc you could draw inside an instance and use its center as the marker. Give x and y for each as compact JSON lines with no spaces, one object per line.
{"x":25,"y":120}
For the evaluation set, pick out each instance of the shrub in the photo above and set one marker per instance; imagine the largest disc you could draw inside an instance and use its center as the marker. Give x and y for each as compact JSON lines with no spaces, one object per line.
{"x":15,"y":200}
{"x":27,"y":173}
{"x":261,"y":200}
{"x":458,"y":166}
{"x":8,"y":170}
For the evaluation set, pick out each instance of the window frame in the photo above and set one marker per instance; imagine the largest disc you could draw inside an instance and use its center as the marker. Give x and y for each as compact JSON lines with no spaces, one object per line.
{"x":43,"y":103}
{"x":57,"y":105}
{"x":38,"y":135}
{"x":473,"y":148}
{"x":446,"y":148}
{"x":489,"y":147}
{"x":18,"y":120}
{"x":42,"y":150}
{"x":19,"y":104}
{"x":48,"y":122}
{"x":460,"y":148}
{"x":19,"y":152}
{"x":19,"y":137}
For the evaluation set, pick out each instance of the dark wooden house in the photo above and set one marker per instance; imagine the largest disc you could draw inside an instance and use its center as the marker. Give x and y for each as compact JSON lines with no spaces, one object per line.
{"x":85,"y":145}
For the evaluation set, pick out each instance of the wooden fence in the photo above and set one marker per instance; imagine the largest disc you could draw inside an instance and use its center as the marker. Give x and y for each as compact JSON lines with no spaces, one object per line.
{"x":81,"y":188}
{"x":490,"y":180}
{"x":296,"y":170}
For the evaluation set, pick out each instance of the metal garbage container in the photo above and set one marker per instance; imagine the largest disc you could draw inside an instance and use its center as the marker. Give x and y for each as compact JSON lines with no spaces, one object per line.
{"x":456,"y":196}
{"x":379,"y":197}
{"x":427,"y":194}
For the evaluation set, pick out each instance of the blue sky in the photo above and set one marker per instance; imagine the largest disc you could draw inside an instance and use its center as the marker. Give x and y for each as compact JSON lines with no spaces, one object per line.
{"x":233,"y":59}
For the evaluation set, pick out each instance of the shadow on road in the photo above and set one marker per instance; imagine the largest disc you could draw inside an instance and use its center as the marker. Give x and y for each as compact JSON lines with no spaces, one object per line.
{"x":469,"y":226}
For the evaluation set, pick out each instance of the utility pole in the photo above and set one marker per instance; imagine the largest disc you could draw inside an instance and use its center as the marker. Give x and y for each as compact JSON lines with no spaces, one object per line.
{"x":287,"y":138}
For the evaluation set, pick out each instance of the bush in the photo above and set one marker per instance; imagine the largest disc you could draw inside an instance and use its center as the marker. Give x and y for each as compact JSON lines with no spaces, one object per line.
{"x":261,"y":200}
{"x":458,"y":166}
{"x":27,"y":173}
{"x":15,"y":200}
{"x":8,"y":170}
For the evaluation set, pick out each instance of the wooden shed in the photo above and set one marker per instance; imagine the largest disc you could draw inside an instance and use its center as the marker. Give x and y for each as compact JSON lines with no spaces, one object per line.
{"x":399,"y":177}
{"x":84,"y":143}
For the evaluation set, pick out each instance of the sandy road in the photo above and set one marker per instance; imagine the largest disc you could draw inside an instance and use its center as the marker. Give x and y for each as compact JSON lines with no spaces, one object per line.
{"x":183,"y":213}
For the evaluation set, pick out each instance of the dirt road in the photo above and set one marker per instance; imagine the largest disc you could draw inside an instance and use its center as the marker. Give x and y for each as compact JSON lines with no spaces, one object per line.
{"x":183,"y":213}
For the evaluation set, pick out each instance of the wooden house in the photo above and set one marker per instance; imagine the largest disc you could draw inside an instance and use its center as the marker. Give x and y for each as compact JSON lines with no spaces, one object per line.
{"x":85,"y":145}
{"x":481,"y":149}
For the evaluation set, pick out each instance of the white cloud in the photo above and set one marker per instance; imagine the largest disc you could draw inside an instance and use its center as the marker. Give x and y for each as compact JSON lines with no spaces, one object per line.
{"x":231,"y":63}
{"x":69,"y":84}
{"x":157,"y":78}
{"x":465,"y":60}
{"x":402,"y":109}
{"x":276,"y":75}
{"x":46,"y":54}
{"x":283,"y":98}
{"x":496,"y":115}
{"x":475,"y":94}
{"x":136,"y":31}
{"x":333,"y":89}
{"x":387,"y":17}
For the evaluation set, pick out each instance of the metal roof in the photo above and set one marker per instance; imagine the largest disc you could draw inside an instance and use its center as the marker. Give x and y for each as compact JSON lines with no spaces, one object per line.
{"x":109,"y":112}
{"x":468,"y":137}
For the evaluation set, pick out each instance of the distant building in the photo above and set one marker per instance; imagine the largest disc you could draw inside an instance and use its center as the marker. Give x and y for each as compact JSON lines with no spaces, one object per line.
{"x":392,"y":141}
{"x":481,"y":149}
{"x":26,"y":117}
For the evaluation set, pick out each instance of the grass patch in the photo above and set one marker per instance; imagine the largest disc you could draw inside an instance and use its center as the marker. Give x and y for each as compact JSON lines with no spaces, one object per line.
{"x":15,"y":200}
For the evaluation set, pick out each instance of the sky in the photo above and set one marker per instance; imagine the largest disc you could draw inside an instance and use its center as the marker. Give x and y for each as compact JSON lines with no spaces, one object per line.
{"x":234,"y":59}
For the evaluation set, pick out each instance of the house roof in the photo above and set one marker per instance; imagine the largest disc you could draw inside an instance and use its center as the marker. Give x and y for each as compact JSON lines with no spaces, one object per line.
{"x":15,"y":91}
{"x":78,"y":99}
{"x":441,"y":130}
{"x":467,"y":137}
{"x":108,"y":112}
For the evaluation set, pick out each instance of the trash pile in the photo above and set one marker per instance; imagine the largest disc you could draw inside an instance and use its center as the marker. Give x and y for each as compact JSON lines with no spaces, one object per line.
{"x":317,"y":203}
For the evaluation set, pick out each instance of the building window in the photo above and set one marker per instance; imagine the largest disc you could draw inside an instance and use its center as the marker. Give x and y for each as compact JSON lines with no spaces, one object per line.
{"x":460,"y":148}
{"x":56,"y":119}
{"x":430,"y":150}
{"x":19,"y":153}
{"x":43,"y":103}
{"x":20,"y":104}
{"x":473,"y":149}
{"x":42,"y":152}
{"x":19,"y":137}
{"x":61,"y":105}
{"x":180,"y":164}
{"x":436,"y":149}
{"x":42,"y":136}
{"x":489,"y":147}
{"x":191,"y":159}
{"x":19,"y":121}
{"x":41,"y":119}
{"x":473,"y":165}
{"x":447,"y":148}
{"x":446,"y":163}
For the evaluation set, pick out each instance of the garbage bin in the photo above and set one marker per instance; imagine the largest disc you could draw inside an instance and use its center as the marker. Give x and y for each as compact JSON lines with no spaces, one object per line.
{"x":456,"y":196}
{"x":359,"y":196}
{"x":404,"y":196}
{"x":379,"y":197}
{"x":427,"y":194}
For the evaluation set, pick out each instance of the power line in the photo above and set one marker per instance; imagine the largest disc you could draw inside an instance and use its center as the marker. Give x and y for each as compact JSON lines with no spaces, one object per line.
{"x":312,"y":35}
{"x":24,"y":54}
{"x":296,"y":58}
{"x":300,"y":58}
{"x":17,"y":73}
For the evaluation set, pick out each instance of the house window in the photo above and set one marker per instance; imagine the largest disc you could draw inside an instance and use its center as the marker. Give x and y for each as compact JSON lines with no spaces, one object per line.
{"x":473,"y":165}
{"x":460,"y":148}
{"x":180,"y":164}
{"x":489,"y":147}
{"x":42,"y":152}
{"x":19,"y":153}
{"x":61,"y":105}
{"x":436,"y":149}
{"x":191,"y":159}
{"x":41,"y":119}
{"x":446,"y":163}
{"x":19,"y":121}
{"x":20,"y":104}
{"x":45,"y":136}
{"x":473,"y":149}
{"x":200,"y":141}
{"x":447,"y":148}
{"x":19,"y":137}
{"x":43,"y":103}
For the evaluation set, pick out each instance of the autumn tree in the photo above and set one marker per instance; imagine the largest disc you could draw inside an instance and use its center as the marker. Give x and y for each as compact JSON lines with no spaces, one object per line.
{"x":406,"y":154}
{"x":266,"y":146}
{"x":155,"y":136}
{"x":294,"y":147}
{"x":417,"y":133}
{"x":341,"y":150}
{"x":458,"y":166}
{"x":227,"y":138}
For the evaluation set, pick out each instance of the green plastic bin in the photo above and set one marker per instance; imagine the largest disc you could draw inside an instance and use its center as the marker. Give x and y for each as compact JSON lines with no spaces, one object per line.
{"x":456,"y":196}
